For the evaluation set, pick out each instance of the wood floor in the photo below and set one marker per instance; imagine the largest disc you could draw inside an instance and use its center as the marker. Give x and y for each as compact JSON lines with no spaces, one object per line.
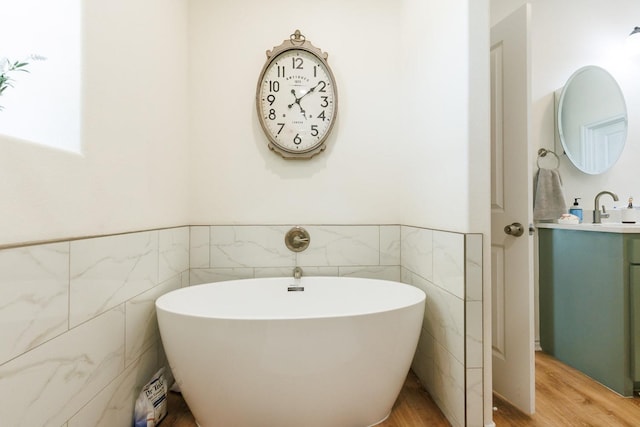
{"x":413,"y":408}
{"x":564,"y":398}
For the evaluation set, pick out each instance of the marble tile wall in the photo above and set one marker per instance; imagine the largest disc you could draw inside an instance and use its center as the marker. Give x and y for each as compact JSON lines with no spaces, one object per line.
{"x":246,"y":251}
{"x":78,"y":334}
{"x":448,"y":268}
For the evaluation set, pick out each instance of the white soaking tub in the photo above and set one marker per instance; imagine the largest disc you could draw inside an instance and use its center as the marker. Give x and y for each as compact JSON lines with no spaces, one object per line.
{"x":266,"y":353}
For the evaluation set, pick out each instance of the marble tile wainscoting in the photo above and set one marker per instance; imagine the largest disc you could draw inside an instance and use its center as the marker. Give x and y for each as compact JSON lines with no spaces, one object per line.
{"x":246,"y":251}
{"x":449,"y":358}
{"x":78,"y":333}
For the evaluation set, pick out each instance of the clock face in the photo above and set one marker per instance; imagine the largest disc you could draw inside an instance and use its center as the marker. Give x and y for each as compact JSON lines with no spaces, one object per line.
{"x":296,"y":102}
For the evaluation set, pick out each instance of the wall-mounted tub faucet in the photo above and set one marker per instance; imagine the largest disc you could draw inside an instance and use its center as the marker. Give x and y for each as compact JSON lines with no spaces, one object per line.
{"x":297,"y":239}
{"x":597,"y":215}
{"x":296,"y":287}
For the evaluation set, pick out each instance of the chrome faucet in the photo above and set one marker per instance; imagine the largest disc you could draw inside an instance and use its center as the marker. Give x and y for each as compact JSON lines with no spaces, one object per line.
{"x":297,"y":273}
{"x":597,"y":215}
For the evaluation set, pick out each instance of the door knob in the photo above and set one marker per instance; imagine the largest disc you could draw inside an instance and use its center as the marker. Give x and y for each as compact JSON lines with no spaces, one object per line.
{"x":516,"y":229}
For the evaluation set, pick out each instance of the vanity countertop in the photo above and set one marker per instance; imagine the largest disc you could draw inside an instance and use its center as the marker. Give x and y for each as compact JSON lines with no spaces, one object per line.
{"x":605,"y":227}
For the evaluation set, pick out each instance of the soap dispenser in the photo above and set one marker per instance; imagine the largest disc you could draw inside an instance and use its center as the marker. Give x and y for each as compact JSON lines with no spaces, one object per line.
{"x":576,"y":209}
{"x":629,"y":214}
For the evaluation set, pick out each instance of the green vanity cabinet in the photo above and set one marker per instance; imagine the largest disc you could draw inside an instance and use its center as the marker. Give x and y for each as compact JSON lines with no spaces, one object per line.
{"x":589,"y":283}
{"x":634,"y":276}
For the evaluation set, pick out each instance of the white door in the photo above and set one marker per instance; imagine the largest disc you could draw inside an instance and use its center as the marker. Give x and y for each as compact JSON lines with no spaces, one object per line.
{"x":511,"y":202}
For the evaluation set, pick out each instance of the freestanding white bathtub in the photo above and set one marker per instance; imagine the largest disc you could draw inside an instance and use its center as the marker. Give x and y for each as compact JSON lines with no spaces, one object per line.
{"x":254,"y":353}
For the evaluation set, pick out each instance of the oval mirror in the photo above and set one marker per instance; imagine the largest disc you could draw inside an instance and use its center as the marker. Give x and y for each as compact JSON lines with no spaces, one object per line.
{"x":592,"y":120}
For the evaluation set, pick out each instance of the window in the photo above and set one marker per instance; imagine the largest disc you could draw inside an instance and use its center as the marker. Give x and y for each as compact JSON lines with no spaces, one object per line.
{"x":44,"y":106}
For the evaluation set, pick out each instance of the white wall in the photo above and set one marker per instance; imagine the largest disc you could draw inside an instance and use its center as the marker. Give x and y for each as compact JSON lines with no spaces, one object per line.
{"x":403,"y":126}
{"x":441,"y":72}
{"x":406,"y":124}
{"x":132,"y":172}
{"x":235,"y":178}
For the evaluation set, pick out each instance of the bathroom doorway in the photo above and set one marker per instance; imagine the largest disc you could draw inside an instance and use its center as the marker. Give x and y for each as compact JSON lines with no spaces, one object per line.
{"x":511,"y":213}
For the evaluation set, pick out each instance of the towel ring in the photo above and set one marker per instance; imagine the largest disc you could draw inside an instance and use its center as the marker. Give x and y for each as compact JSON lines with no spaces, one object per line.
{"x":543,"y":153}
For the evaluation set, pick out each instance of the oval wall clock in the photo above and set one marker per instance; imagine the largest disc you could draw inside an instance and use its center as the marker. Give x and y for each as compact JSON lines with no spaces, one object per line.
{"x":296,"y":98}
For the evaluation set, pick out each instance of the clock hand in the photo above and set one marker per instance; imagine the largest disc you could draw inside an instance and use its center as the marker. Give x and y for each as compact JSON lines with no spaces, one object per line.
{"x":297,"y":101}
{"x":308,"y":92}
{"x":301,"y":109}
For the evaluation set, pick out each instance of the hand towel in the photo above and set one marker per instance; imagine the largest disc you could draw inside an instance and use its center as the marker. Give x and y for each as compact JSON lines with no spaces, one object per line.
{"x":548,"y":197}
